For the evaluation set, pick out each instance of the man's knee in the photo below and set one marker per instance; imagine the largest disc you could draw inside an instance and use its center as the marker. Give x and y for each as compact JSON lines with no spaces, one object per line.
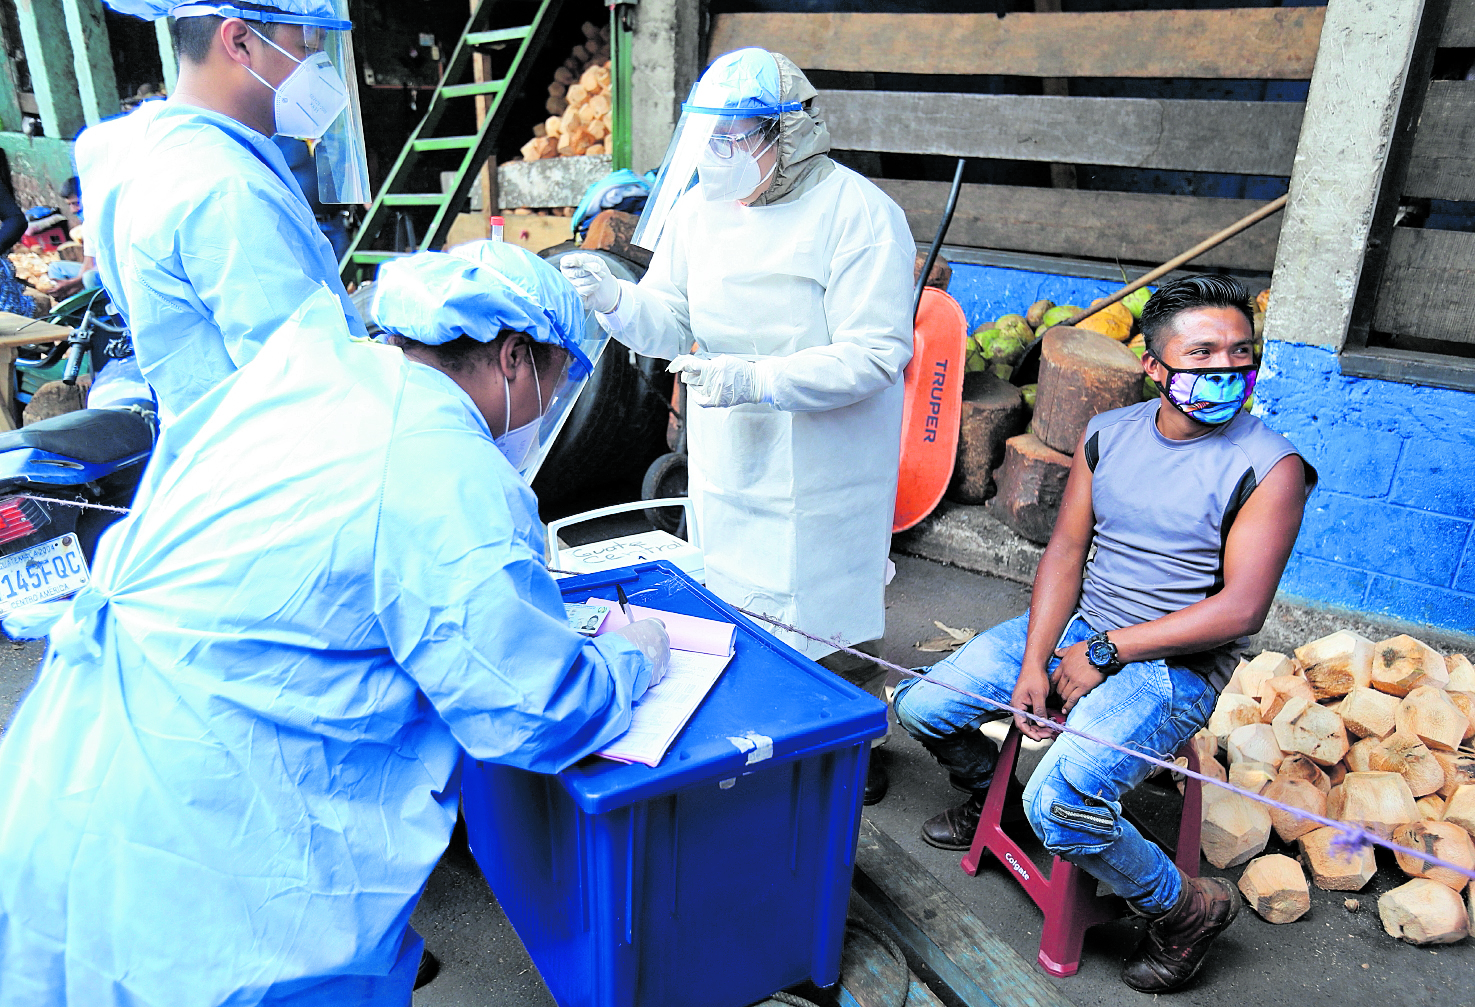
{"x":1069,"y":818}
{"x":916,"y":711}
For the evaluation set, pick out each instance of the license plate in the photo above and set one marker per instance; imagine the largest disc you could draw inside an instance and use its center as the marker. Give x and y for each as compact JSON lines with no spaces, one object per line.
{"x":50,"y":570}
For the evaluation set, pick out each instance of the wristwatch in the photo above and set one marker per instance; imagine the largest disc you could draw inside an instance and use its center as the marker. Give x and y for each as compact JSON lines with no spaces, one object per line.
{"x":1101,"y":652}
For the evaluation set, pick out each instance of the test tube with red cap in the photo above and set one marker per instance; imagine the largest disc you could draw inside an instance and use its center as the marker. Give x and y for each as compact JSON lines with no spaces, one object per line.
{"x":497,"y":224}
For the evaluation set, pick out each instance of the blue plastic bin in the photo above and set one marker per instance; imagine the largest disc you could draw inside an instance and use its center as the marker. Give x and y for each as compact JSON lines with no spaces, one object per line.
{"x":712,"y":880}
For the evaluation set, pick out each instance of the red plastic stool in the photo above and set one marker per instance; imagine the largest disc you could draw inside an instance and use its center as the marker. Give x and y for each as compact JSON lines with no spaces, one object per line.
{"x":1068,"y":896}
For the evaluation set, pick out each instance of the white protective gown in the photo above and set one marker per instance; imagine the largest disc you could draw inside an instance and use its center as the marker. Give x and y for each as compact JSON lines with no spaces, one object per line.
{"x":794,"y":500}
{"x":239,"y":762}
{"x":203,"y":240}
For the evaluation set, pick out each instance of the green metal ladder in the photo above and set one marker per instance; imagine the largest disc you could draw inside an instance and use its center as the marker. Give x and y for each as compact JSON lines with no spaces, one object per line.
{"x":456,"y":83}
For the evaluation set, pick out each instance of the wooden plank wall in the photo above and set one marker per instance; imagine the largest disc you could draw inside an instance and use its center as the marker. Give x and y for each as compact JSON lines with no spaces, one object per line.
{"x":1244,"y":137}
{"x":1252,"y":43}
{"x":1427,"y":285}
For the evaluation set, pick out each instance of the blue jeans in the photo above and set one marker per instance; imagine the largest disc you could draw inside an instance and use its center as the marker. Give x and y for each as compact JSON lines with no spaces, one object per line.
{"x":1073,"y":800}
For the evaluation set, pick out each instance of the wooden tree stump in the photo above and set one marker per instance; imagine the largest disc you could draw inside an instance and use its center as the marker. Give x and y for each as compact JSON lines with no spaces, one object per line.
{"x":1031,"y":483}
{"x":1336,"y":664}
{"x":612,"y":231}
{"x":1428,"y":714}
{"x":1424,"y":912}
{"x":1460,"y":809}
{"x":1332,"y":870}
{"x":1402,"y":664}
{"x":1082,"y":373}
{"x":1311,"y":730}
{"x":1254,"y":777}
{"x":1444,"y":840}
{"x":1459,"y":771}
{"x":993,"y":412}
{"x":1296,"y":766}
{"x":1276,"y":889}
{"x":1235,"y":828}
{"x":1379,"y":802}
{"x":1298,"y":794}
{"x":1254,"y":743}
{"x":1233,"y":710}
{"x":1368,"y":713}
{"x":1411,"y":759}
{"x":941,"y":274}
{"x":1280,"y":690}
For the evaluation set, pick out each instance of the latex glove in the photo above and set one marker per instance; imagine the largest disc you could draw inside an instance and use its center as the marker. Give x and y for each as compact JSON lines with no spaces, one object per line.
{"x":592,"y":279}
{"x":720,"y":381}
{"x":649,"y":637}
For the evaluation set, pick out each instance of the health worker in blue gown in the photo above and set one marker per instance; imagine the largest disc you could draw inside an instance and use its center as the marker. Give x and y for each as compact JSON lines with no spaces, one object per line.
{"x":202,"y":236}
{"x":239,"y":761}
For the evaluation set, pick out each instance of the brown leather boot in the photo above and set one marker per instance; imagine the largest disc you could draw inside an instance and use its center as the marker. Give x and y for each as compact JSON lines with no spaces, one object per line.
{"x":1177,"y":942}
{"x":953,"y":829}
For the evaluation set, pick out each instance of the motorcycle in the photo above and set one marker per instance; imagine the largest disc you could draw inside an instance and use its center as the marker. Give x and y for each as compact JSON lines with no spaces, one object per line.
{"x":64,"y":480}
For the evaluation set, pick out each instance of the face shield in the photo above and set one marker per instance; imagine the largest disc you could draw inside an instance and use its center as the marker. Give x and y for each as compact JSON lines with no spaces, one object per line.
{"x":319,"y":101}
{"x":728,"y":122}
{"x":579,"y":363}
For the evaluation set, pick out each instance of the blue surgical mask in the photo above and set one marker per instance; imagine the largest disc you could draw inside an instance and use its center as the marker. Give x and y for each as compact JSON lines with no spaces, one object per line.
{"x":1209,"y":395}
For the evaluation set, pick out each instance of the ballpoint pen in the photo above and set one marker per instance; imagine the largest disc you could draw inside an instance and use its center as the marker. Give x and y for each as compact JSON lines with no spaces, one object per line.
{"x":624,"y":603}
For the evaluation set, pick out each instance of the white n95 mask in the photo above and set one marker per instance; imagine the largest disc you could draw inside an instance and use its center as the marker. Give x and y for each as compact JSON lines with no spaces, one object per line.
{"x":735,"y":177}
{"x":312,"y":96}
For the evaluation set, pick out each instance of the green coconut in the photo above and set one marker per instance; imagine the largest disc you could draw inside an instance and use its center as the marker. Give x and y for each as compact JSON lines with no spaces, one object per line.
{"x":1015,"y":327}
{"x":1029,"y":392}
{"x":1003,"y":371}
{"x":1136,"y":299}
{"x":1058,"y":315}
{"x":1007,"y":350}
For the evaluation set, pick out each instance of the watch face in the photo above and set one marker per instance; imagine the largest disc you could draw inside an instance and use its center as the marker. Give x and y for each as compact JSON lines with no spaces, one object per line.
{"x":1100,"y":653}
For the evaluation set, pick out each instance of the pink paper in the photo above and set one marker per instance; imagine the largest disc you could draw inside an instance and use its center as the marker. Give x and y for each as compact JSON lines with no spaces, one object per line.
{"x":687,"y":632}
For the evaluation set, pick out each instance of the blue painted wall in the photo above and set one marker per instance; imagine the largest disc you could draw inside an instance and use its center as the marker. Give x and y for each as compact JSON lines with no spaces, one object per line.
{"x":986,"y":292}
{"x":1389,"y":530}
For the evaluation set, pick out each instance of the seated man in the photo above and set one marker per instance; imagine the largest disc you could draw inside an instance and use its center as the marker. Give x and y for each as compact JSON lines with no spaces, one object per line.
{"x":1193,"y":506}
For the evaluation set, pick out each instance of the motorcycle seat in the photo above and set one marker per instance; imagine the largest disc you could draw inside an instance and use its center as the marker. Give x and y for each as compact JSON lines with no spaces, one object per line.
{"x":91,"y":436}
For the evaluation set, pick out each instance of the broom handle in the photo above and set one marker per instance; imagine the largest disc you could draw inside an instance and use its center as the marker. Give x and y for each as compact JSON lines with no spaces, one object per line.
{"x":1274,"y":206}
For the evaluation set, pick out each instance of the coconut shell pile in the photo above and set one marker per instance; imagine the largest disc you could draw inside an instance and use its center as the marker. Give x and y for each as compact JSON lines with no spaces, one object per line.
{"x":1376,"y":734}
{"x":31,"y":266}
{"x":579,"y":103}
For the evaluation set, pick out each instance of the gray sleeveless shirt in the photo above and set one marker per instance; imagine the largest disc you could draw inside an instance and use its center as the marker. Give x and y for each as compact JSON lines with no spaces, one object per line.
{"x":1163,"y":511}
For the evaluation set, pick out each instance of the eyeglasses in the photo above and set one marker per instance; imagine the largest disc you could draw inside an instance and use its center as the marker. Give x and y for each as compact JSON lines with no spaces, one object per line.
{"x":723,"y":144}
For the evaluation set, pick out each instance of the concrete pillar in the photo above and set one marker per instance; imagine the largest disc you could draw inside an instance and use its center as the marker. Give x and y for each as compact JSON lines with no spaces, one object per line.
{"x":666,"y":42}
{"x":43,"y":32}
{"x":92,"y":56}
{"x":1352,"y":111}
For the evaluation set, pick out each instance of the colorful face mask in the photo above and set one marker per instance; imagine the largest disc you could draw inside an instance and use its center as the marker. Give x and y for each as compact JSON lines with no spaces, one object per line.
{"x":1210,"y":395}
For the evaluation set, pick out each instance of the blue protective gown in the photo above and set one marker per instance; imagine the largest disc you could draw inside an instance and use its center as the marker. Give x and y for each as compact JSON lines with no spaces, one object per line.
{"x":238,"y":764}
{"x":204,"y":240}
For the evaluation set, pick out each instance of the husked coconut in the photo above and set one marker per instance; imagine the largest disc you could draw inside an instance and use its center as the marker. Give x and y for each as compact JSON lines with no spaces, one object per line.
{"x":1402,"y":664}
{"x":1336,"y":664}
